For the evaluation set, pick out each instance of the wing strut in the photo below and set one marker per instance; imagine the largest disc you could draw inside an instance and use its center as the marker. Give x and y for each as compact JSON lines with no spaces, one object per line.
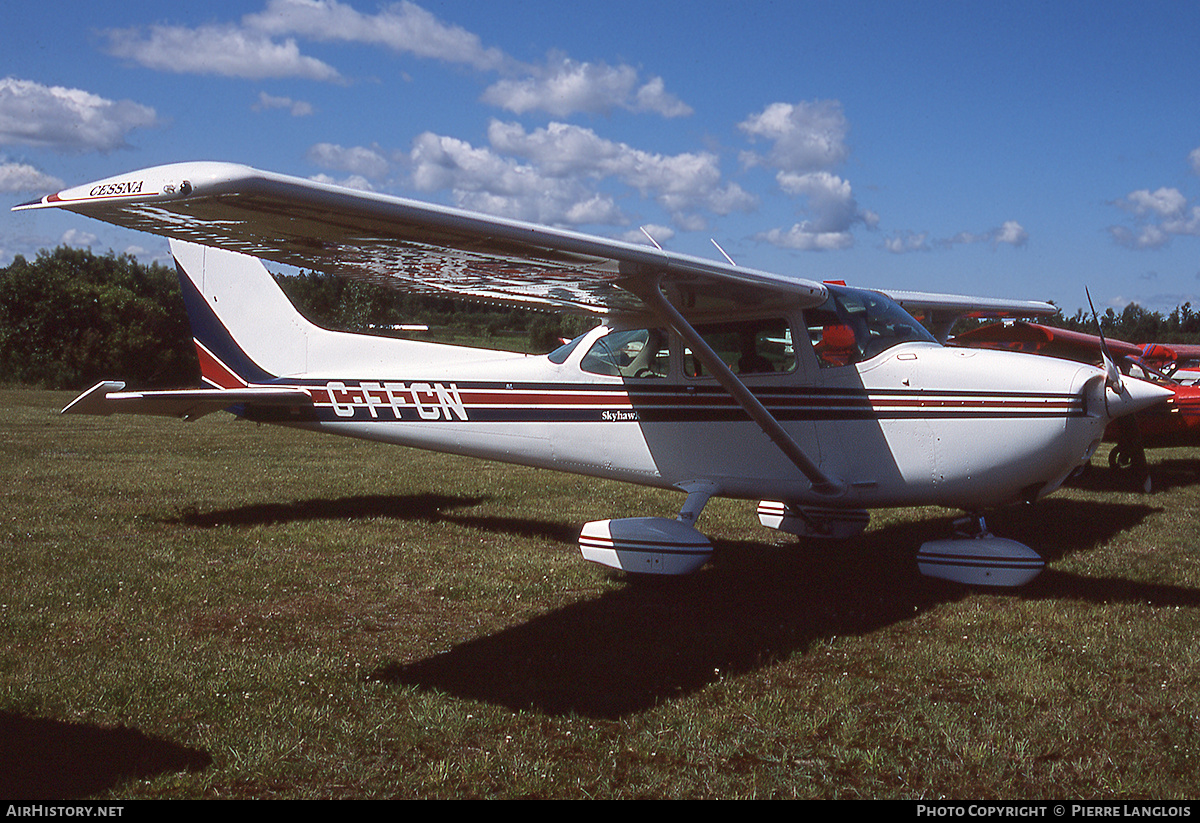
{"x":821,"y":483}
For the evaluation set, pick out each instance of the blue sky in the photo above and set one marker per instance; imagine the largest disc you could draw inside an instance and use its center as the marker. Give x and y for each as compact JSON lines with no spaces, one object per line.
{"x":1016,"y":149}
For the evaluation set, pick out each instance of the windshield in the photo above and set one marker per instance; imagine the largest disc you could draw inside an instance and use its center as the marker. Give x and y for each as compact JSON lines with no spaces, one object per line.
{"x":855,"y":325}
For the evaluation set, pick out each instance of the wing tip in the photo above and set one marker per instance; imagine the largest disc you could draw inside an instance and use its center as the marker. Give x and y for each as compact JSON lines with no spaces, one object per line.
{"x":41,"y":202}
{"x":95,"y":399}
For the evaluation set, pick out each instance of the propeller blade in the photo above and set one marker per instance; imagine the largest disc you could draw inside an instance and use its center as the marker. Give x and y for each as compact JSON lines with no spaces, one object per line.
{"x":1114,"y":374}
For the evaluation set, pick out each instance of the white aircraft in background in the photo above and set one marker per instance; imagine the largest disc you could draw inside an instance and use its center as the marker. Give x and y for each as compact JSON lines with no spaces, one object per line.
{"x":820,"y":400}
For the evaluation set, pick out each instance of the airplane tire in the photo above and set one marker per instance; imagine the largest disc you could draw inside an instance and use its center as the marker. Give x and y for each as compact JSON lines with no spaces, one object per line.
{"x":1121,"y":459}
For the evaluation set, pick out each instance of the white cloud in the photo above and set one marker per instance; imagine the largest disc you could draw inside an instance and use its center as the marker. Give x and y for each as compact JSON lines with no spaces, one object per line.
{"x":1158,"y":235}
{"x":907,"y":241}
{"x":658,"y":234}
{"x":808,"y":140}
{"x":482,"y":180}
{"x":1009,"y":233}
{"x":1194,"y":159}
{"x":682,"y":183}
{"x":1164,"y":202}
{"x":805,"y":136}
{"x":15,"y":177}
{"x":653,"y":97}
{"x":297,"y":108}
{"x":402,"y":27}
{"x":250,"y":49}
{"x":66,"y":119}
{"x":566,"y":86}
{"x":1159,"y":216}
{"x":353,"y":181}
{"x":561,"y":87}
{"x":369,"y":163}
{"x":565,"y":174}
{"x":77,"y":238}
{"x":834,"y":211}
{"x":224,"y":50}
{"x":802,"y":237}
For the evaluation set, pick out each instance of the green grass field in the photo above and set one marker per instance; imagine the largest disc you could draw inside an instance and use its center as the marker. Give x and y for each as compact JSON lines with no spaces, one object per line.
{"x":220,"y":610}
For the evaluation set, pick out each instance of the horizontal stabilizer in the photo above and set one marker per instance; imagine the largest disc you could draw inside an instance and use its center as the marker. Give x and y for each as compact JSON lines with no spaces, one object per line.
{"x":107,"y":398}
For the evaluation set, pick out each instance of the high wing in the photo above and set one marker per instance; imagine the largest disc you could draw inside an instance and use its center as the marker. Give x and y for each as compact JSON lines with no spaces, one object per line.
{"x":941,"y":311}
{"x":422,"y":247}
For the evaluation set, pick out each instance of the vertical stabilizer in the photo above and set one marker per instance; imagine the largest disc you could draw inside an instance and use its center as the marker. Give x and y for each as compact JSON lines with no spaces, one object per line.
{"x":245,"y":328}
{"x":247,"y":331}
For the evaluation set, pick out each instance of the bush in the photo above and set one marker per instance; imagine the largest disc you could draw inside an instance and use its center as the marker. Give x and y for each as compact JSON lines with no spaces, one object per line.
{"x":70,"y":319}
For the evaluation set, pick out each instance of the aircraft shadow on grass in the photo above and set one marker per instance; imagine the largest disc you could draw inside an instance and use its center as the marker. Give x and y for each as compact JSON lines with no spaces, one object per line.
{"x":653,"y":640}
{"x":43,"y":759}
{"x":630,"y":649}
{"x":1165,"y":474}
{"x":407,"y":507}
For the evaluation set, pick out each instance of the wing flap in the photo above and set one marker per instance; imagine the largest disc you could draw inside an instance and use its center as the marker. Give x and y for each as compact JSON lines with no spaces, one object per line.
{"x":107,"y":398}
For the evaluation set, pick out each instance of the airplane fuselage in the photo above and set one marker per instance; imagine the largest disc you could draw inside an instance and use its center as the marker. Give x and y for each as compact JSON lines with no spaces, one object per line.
{"x":919,"y":424}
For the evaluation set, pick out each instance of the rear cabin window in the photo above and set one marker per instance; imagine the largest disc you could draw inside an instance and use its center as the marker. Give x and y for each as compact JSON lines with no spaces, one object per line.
{"x":747,"y":347}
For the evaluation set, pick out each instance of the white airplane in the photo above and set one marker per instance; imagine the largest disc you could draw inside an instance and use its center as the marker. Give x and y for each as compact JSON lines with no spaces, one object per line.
{"x":820,"y":400}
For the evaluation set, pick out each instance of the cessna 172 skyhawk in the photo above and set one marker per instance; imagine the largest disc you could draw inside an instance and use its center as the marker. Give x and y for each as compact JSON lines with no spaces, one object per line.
{"x":820,"y":400}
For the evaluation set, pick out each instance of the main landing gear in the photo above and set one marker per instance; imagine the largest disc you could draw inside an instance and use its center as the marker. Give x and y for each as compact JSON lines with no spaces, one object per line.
{"x":976,"y":557}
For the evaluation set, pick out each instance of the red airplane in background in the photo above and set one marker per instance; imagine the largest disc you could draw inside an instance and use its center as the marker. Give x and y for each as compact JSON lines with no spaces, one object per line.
{"x":1174,"y":423}
{"x":1178,"y":361}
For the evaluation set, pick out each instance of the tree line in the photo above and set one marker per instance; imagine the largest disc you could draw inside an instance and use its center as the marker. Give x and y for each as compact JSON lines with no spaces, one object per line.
{"x":1136,"y":324}
{"x":70,"y":318}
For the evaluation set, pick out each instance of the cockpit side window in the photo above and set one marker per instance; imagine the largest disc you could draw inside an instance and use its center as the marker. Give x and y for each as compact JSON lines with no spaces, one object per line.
{"x":855,"y":325}
{"x":629,"y":353}
{"x":747,"y":347}
{"x":561,"y":354}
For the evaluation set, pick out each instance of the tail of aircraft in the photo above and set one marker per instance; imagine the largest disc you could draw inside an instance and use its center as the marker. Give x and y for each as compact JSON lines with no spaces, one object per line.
{"x":244,"y":327}
{"x":248,"y":332}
